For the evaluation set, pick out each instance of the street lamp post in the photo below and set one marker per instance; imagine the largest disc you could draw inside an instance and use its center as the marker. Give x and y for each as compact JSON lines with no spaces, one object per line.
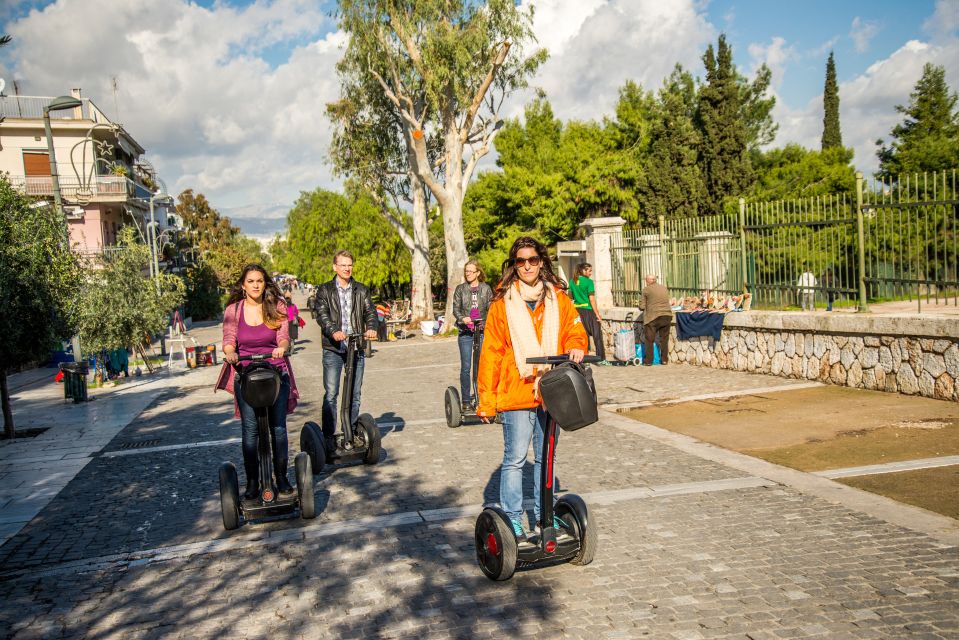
{"x":57,"y":104}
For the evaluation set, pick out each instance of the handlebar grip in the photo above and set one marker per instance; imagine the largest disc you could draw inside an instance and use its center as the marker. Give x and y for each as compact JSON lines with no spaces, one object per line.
{"x":560,"y":359}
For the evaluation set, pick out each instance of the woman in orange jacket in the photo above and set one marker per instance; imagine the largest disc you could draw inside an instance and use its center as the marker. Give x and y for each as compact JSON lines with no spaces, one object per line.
{"x":530,"y":316}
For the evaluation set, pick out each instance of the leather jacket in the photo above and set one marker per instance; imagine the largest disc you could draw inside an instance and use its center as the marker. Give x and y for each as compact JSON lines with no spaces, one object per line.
{"x":329,"y":316}
{"x":462,"y":302}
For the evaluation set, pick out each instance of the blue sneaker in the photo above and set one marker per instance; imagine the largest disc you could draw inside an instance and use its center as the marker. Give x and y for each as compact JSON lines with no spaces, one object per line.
{"x":518,"y":531}
{"x":558,"y":524}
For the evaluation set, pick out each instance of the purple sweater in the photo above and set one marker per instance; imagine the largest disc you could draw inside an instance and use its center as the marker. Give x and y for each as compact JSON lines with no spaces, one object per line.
{"x":231,"y":321}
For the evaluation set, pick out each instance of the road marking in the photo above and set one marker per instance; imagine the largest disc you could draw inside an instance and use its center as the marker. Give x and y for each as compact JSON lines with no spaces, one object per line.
{"x":627,"y":406}
{"x":889,"y":467}
{"x":122,"y":561}
{"x":422,"y":366}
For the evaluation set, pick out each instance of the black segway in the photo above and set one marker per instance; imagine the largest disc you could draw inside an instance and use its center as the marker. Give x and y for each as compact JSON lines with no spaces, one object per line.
{"x":455,"y":416}
{"x":260,"y":385}
{"x":359,"y":441}
{"x":570,"y":401}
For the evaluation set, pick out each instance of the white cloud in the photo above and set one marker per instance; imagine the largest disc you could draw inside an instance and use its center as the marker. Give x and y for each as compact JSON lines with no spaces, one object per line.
{"x":195,"y":89}
{"x":612,"y":41}
{"x":944,"y":22}
{"x":776,"y":55}
{"x":862,"y":31}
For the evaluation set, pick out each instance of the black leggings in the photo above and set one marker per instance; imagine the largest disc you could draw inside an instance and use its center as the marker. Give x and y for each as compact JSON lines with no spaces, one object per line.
{"x":593,"y":330}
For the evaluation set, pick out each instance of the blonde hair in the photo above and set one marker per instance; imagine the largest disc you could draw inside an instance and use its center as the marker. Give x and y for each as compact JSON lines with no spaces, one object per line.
{"x":481,"y":275}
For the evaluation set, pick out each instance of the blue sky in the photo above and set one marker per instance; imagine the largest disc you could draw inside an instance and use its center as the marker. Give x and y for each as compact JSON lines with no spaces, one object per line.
{"x":228,"y":97}
{"x":814,"y":27}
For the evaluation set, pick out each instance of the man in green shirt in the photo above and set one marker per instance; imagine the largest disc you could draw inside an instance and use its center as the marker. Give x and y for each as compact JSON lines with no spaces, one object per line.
{"x":583,"y":291}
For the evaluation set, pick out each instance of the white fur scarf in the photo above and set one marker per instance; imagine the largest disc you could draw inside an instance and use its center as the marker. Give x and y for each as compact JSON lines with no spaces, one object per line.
{"x":522,"y":333}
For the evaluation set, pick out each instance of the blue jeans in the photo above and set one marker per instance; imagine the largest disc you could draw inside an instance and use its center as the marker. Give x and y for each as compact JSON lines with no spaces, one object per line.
{"x":277,"y":414}
{"x":465,"y":342}
{"x":520,"y":428}
{"x":333,"y":363}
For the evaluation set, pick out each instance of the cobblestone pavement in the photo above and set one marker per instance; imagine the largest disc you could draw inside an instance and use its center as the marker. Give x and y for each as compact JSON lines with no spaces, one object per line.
{"x":693,"y":543}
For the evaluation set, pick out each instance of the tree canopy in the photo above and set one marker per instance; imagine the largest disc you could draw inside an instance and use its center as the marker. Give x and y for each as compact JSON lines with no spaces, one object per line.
{"x":119,"y":307}
{"x":39,"y":279}
{"x":323,"y":222}
{"x":831,"y":133}
{"x":927,"y":139}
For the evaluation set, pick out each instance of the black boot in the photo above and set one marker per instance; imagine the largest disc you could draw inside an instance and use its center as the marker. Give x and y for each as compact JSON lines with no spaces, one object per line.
{"x":252,"y":469}
{"x":282,"y":482}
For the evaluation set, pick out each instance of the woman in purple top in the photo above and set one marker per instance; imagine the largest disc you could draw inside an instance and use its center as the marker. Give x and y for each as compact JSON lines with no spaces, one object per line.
{"x":255,"y":322}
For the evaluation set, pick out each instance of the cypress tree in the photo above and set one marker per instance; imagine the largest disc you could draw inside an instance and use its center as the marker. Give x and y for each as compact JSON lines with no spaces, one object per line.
{"x":725,"y":137}
{"x":831,"y":134}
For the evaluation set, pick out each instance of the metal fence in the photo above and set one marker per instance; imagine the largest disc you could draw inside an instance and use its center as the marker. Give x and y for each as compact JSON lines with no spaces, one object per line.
{"x":896,"y":240}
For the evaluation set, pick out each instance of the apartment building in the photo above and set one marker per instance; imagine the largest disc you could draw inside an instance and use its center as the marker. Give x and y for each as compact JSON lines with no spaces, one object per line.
{"x":105,"y":181}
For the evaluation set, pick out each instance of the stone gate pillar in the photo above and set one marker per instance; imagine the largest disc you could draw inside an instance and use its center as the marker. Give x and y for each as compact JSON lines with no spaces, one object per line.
{"x":600,"y":233}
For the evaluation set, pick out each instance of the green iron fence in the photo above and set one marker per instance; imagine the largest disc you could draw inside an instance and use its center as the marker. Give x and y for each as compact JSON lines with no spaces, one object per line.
{"x":897,"y":240}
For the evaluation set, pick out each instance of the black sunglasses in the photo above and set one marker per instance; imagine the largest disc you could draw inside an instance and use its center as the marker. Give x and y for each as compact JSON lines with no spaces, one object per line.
{"x":533,"y":261}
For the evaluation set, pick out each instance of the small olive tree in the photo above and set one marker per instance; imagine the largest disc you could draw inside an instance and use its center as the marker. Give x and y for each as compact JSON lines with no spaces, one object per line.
{"x":39,"y":279}
{"x":120,"y":305}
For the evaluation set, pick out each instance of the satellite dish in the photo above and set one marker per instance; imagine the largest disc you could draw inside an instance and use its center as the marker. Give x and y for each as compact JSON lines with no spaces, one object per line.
{"x":3,"y":84}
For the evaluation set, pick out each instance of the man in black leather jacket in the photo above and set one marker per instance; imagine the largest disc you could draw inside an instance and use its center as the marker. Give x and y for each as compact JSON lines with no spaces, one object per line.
{"x":343,"y":306}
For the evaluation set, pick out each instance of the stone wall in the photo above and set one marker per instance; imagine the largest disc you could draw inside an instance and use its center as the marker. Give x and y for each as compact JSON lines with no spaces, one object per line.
{"x":913,"y":355}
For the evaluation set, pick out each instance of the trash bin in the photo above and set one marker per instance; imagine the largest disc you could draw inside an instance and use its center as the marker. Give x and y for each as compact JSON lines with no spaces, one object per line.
{"x":75,"y":381}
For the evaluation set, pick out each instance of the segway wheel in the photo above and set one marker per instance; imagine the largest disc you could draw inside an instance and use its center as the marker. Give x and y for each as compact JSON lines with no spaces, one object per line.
{"x":572,"y":510}
{"x":304,"y":485}
{"x":372,"y":434}
{"x":229,"y":496}
{"x":311,"y":442}
{"x":495,"y":546}
{"x":454,"y":416}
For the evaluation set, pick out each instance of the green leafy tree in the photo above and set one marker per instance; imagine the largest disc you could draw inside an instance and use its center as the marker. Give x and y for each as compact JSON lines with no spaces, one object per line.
{"x":39,"y":278}
{"x":928,"y":137}
{"x":831,"y":134}
{"x":323,"y":222}
{"x":204,"y":227}
{"x":673,"y":183}
{"x":119,"y":306}
{"x":220,"y":252}
{"x":445,"y":67}
{"x":795,"y":172}
{"x":725,"y":137}
{"x":756,"y":108}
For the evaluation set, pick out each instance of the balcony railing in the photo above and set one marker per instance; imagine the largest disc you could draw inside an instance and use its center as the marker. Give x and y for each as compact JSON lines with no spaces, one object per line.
{"x":73,"y":191}
{"x":31,"y":107}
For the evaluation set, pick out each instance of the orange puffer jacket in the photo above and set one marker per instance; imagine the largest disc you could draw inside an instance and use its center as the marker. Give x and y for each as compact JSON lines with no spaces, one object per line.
{"x":499,"y":385}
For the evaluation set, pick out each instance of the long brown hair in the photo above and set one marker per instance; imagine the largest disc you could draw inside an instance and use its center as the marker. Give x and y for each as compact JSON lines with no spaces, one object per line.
{"x":273,"y":316}
{"x":545,"y":272}
{"x":581,"y":271}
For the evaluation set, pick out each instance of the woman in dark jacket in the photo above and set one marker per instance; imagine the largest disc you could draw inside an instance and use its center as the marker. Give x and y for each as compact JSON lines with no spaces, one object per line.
{"x":470,"y":304}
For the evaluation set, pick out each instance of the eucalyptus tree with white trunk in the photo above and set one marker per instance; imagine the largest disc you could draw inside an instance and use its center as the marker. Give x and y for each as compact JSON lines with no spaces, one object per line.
{"x":444,"y":68}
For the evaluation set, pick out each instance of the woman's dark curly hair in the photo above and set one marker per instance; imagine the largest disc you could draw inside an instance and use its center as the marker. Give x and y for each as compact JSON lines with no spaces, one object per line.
{"x":509,"y":267}
{"x":273,"y":314}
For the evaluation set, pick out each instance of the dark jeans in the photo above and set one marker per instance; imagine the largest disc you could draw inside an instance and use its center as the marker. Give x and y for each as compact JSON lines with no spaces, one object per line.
{"x":594,"y":330}
{"x":465,"y":342}
{"x":658,"y":330}
{"x":333,"y":363}
{"x":277,"y":414}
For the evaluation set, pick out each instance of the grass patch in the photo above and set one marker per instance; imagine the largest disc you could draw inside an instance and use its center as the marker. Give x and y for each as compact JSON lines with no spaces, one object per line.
{"x":933,"y":489}
{"x":907,"y":441}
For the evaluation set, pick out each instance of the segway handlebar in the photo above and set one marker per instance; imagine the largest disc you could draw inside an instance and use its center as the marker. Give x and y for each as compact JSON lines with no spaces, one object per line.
{"x":256,"y":357}
{"x":564,"y":357}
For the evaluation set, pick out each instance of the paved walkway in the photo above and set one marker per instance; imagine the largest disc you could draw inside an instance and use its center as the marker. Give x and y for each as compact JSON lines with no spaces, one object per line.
{"x":695,"y":541}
